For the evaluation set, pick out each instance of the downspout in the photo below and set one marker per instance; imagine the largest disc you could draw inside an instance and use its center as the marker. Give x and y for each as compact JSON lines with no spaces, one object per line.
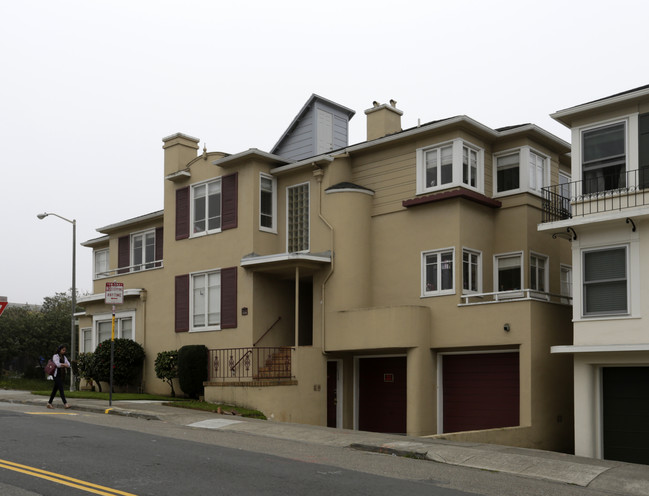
{"x":143,"y":298}
{"x":318,"y":173}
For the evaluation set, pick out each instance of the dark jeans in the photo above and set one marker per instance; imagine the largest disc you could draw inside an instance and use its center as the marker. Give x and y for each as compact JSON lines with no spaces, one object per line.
{"x":58,"y":386}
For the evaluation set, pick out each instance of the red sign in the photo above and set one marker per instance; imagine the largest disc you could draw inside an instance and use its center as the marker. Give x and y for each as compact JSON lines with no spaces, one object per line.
{"x":3,"y":305}
{"x":114,"y":293}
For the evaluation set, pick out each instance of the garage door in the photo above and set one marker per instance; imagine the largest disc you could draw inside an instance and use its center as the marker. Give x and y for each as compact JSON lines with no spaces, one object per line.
{"x":480,"y":391}
{"x":382,"y":394}
{"x":626,"y":413}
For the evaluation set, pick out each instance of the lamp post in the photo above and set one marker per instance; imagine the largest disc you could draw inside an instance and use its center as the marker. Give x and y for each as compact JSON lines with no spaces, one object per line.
{"x":74,"y":289}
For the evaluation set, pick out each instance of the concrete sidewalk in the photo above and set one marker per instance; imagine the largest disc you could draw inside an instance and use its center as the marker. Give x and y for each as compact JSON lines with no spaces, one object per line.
{"x":608,"y":476}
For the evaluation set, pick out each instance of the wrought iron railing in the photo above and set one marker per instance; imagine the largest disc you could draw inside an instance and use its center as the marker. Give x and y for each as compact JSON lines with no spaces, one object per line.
{"x":250,"y":363}
{"x":596,"y":193}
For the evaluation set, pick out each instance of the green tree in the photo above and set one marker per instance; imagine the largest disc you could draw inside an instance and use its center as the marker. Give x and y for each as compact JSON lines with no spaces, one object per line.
{"x":166,"y":368}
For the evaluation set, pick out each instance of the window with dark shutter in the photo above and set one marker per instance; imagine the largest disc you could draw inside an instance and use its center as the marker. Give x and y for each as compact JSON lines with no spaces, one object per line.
{"x":643,"y":150}
{"x":182,"y":303}
{"x":159,"y":235}
{"x":229,"y":199}
{"x":182,"y":213}
{"x":229,"y":298}
{"x":124,"y":253}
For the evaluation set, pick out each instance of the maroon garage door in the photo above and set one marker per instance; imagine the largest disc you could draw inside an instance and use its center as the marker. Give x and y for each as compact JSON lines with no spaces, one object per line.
{"x":382,"y":394}
{"x":480,"y":391}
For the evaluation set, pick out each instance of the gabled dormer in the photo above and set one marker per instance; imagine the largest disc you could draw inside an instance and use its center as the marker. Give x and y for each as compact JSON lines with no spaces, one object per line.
{"x":319,"y":127}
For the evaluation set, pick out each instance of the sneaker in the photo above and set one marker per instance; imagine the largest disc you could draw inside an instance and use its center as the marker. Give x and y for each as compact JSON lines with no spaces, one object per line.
{"x":67,"y":406}
{"x":49,"y":405}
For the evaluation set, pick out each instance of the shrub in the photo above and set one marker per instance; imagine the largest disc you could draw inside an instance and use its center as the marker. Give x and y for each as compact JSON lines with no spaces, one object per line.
{"x":127,"y":363}
{"x":166,"y":368}
{"x":87,"y":368}
{"x":192,"y":369}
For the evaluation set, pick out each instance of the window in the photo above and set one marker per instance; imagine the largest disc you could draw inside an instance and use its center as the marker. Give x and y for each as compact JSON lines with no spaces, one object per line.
{"x":143,"y":250}
{"x":267,"y":203}
{"x":101,"y":263}
{"x":508,"y":172}
{"x":566,"y":283}
{"x":604,"y":158}
{"x":86,"y":340}
{"x":471,"y":273}
{"x":206,"y":214}
{"x":297,"y":198}
{"x":509,"y":276}
{"x":537,"y":172}
{"x":456,"y":163}
{"x":206,"y":300}
{"x":538,"y":273}
{"x":605,"y":281}
{"x":438,"y":272}
{"x":103,"y":328}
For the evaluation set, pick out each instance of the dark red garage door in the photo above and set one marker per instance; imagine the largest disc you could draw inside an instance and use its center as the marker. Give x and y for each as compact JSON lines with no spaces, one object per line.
{"x":382,"y":394}
{"x":480,"y":391}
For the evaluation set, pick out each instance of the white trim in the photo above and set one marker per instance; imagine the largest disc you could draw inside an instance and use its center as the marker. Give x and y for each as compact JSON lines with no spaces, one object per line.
{"x":102,"y":296}
{"x":273,"y":228}
{"x":108,"y":317}
{"x":207,"y":327}
{"x":521,"y":255}
{"x":504,"y":153}
{"x":582,"y":258}
{"x":192,"y":208}
{"x":479,"y":282}
{"x":546,"y":275}
{"x":604,"y":102}
{"x":457,"y":158}
{"x":439,"y":291}
{"x":283,"y":257}
{"x":578,"y":142}
{"x":600,"y":348}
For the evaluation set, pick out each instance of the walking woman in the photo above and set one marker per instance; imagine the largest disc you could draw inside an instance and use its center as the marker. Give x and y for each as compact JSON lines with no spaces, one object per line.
{"x":62,"y":363}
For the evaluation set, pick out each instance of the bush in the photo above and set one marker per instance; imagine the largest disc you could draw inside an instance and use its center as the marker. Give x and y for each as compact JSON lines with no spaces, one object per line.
{"x":192,"y":369}
{"x":128,"y":360}
{"x":166,"y":368}
{"x":87,"y":368}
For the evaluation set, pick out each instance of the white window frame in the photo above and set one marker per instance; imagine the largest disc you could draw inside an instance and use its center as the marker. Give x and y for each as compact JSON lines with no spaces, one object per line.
{"x":627,"y":278}
{"x":546,"y":272}
{"x":528,"y":181}
{"x":145,"y":264}
{"x":630,"y":130}
{"x":308,"y":217}
{"x":101,"y":272}
{"x":107,"y":317}
{"x":192,"y":208}
{"x":213,"y":327}
{"x":565,"y":283}
{"x":478,"y":283}
{"x":497,"y":257}
{"x":83,"y":332}
{"x":426,"y":292}
{"x":457,"y":161}
{"x":273,"y":193}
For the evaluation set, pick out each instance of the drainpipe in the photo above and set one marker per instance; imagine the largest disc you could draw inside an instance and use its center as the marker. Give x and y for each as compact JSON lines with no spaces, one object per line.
{"x":143,"y":297}
{"x":318,"y":176}
{"x":295,"y":364}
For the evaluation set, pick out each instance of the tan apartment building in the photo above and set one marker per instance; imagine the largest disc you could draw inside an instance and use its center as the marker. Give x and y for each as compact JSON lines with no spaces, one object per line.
{"x":395,"y":285}
{"x":604,"y":210}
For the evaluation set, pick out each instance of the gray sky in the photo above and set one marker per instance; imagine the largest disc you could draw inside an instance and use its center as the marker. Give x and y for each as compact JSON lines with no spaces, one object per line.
{"x":88,"y":89}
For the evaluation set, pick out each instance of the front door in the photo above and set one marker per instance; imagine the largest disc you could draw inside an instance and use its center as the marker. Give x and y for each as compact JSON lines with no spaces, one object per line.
{"x":332,"y":393}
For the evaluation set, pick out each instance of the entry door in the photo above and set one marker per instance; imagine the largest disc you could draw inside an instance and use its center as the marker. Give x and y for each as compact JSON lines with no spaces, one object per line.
{"x":625,"y":404}
{"x":332,"y":393}
{"x":382,"y":394}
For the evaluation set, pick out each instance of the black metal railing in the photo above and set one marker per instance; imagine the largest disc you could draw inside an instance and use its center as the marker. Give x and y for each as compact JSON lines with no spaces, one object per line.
{"x":596,"y":193}
{"x":250,"y":363}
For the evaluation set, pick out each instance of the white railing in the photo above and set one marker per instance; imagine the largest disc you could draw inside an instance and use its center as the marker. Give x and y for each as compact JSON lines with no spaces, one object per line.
{"x":514,"y":295}
{"x":156,"y":264}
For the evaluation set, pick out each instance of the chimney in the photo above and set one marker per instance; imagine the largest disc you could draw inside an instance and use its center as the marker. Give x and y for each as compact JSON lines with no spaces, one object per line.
{"x":383,"y":120}
{"x":180,"y":149}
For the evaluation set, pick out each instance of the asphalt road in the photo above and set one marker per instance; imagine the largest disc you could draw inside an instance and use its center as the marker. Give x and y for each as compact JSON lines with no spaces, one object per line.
{"x":47,"y":453}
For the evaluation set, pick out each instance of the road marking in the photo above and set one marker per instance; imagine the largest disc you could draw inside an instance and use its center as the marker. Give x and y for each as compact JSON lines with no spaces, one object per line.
{"x":51,"y":413}
{"x":62,"y":479}
{"x":214,"y":423}
{"x":108,"y":410}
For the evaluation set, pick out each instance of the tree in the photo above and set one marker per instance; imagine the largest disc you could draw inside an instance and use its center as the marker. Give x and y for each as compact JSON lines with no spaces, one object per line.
{"x":127,"y":361}
{"x":166,"y":368}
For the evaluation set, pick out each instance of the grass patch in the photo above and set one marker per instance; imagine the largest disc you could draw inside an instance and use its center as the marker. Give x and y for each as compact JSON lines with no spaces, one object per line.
{"x":96,"y":395}
{"x":21,"y":384}
{"x":214,"y":408}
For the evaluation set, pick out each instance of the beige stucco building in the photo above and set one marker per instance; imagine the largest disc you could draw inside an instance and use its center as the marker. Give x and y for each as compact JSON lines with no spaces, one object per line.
{"x":605,"y":211}
{"x":397,"y":285}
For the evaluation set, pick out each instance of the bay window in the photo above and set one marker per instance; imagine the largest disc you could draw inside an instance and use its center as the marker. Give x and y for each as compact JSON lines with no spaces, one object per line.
{"x":454,"y":163}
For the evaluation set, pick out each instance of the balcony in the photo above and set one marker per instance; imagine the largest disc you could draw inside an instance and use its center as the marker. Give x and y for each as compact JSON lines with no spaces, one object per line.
{"x":597,"y":193}
{"x":514,"y":295}
{"x":155,"y":264}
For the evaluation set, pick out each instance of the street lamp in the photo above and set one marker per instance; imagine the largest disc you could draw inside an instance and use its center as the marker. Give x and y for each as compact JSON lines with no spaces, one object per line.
{"x":74,"y":289}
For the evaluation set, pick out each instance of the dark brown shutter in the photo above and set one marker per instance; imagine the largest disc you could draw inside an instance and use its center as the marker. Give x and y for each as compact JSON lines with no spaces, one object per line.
{"x":182,"y":213}
{"x":124,"y":253}
{"x":643,"y":150}
{"x":229,"y":199}
{"x":182,"y":303}
{"x":159,"y":239}
{"x":229,"y":298}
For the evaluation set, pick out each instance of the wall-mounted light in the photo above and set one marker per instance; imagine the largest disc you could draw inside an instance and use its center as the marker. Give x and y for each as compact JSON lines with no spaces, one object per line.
{"x":244,"y":310}
{"x":506,"y":328}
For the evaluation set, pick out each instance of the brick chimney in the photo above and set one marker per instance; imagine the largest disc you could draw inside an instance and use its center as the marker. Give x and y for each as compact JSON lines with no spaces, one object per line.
{"x":180,"y":149}
{"x":383,"y":120}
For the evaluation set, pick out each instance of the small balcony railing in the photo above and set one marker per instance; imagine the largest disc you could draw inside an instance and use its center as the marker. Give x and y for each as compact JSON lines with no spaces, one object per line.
{"x":514,"y":295}
{"x":250,"y":363}
{"x":155,"y":264}
{"x":596,"y":194}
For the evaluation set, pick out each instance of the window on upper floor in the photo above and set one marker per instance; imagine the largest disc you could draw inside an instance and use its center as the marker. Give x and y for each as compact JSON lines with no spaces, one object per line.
{"x":297,"y":209}
{"x":267,"y":203}
{"x":207,"y":207}
{"x":511,"y":177}
{"x":566,"y":282}
{"x":604,"y":273}
{"x":509,"y":273}
{"x":539,"y":272}
{"x":603,"y":158}
{"x":455,"y":163}
{"x":143,"y":250}
{"x":471,"y":271}
{"x":438,"y":273}
{"x":101,"y":263}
